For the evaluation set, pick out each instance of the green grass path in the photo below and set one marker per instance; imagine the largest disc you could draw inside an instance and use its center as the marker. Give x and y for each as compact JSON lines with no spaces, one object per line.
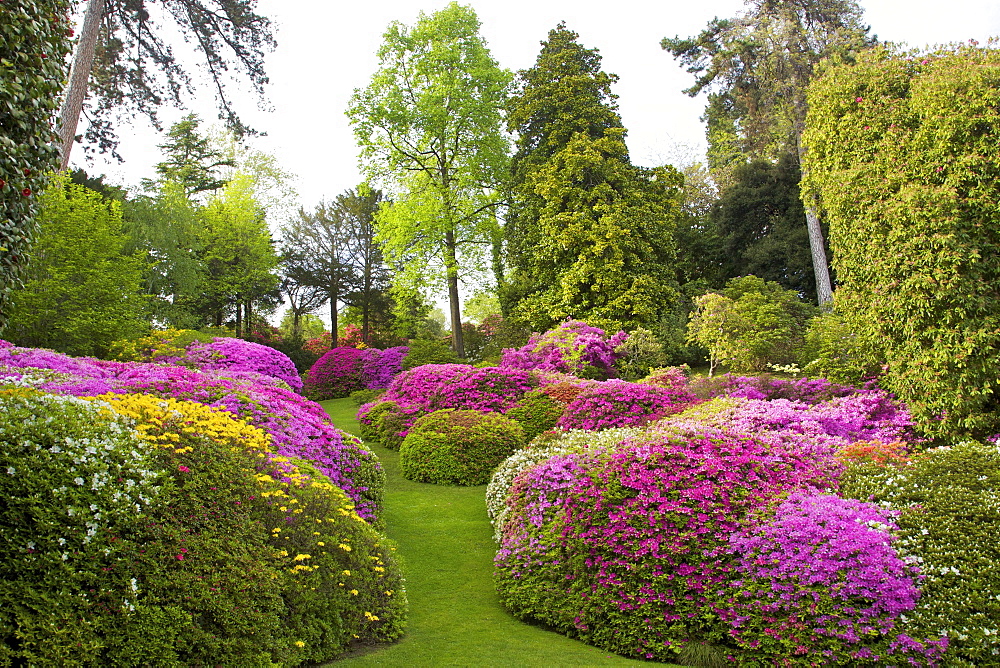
{"x":446,"y":547}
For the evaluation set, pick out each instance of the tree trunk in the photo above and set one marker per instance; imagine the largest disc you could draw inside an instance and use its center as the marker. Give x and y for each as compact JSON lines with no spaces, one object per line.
{"x":451,"y":266}
{"x":239,"y":318}
{"x":366,"y":304}
{"x":333,"y":317}
{"x":248,"y":318}
{"x":824,"y":290}
{"x":79,"y":78}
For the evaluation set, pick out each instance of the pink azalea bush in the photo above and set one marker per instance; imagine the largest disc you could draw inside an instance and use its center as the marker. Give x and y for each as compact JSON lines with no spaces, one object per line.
{"x":624,"y":548}
{"x":822,"y":580}
{"x":617,"y":403}
{"x":236,"y":355}
{"x":336,"y":374}
{"x":573,"y":347}
{"x":380,"y":367}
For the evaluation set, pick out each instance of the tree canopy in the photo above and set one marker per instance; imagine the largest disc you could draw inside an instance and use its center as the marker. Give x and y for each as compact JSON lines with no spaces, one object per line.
{"x":430,"y":128}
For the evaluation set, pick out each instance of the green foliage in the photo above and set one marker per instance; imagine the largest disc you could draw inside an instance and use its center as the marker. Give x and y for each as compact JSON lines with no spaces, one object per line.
{"x":758,"y":220}
{"x":589,"y":235}
{"x":752,"y":324}
{"x":158,"y":345}
{"x":81,"y":291}
{"x":63,"y":520}
{"x":430,"y":129}
{"x":643,"y":351}
{"x":900,"y":148}
{"x":950,"y":525}
{"x":191,"y":161}
{"x":428,"y":351}
{"x":310,"y":325}
{"x":832,"y":351}
{"x":360,"y":397}
{"x":536,"y":412}
{"x":458,"y":447}
{"x":34,"y":43}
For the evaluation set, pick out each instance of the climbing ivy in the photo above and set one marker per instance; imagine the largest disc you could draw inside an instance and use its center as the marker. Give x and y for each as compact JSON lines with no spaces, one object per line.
{"x":902,"y":155}
{"x":34,"y":43}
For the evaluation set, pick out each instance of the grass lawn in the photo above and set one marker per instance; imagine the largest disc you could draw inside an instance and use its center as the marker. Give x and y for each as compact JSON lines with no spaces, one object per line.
{"x":446,"y":546}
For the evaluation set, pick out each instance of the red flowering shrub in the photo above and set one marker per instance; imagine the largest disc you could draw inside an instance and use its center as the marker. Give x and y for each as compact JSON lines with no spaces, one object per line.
{"x":336,"y":374}
{"x":564,"y":392}
{"x":320,"y":345}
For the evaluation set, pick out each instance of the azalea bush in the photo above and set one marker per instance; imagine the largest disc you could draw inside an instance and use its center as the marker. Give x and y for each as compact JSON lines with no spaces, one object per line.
{"x":166,"y":345}
{"x":458,"y":447}
{"x":536,"y":412}
{"x":232,"y":355}
{"x":949,"y":523}
{"x":572,"y":347}
{"x":336,"y":374}
{"x":623,"y":547}
{"x":617,"y":403}
{"x":822,"y":579}
{"x":380,"y":367}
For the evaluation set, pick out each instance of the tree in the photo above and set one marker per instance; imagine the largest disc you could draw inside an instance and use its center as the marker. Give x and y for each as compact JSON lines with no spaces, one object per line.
{"x":758,"y":221}
{"x":371,"y":275}
{"x":81,"y":290}
{"x":123,"y":59}
{"x":588,"y":234}
{"x":757,"y":67}
{"x":430,"y":129}
{"x":34,"y":42}
{"x":902,"y":156}
{"x":190,"y":159}
{"x":239,"y":257}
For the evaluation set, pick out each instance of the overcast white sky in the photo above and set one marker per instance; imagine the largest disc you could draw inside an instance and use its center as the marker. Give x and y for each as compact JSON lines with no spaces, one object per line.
{"x":327,"y":49}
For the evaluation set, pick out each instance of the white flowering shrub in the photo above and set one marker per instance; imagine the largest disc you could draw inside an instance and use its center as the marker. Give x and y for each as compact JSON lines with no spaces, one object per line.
{"x":539,"y":450}
{"x":949,"y":525}
{"x":74,"y":480}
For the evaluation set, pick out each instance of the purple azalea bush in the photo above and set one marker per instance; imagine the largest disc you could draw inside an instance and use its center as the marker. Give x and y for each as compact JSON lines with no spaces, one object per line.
{"x":238,"y":356}
{"x":573,"y":347}
{"x":821,"y":579}
{"x":380,"y":367}
{"x":617,"y":403}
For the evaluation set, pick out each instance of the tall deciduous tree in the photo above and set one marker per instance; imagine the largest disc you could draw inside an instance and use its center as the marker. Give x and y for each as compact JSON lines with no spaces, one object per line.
{"x":124,"y":61}
{"x":756,"y":67}
{"x":34,"y":41}
{"x":430,"y":128}
{"x":81,"y":290}
{"x":589,"y":235}
{"x":903,"y":156}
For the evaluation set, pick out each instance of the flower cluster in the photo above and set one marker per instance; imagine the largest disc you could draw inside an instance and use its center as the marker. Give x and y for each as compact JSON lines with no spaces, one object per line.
{"x":822,"y":579}
{"x":380,"y":367}
{"x":336,"y":374}
{"x":617,"y":403}
{"x":572,"y":347}
{"x":238,"y":356}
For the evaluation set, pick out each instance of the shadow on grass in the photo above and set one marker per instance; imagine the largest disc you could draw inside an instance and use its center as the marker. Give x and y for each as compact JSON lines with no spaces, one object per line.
{"x":446,"y":545}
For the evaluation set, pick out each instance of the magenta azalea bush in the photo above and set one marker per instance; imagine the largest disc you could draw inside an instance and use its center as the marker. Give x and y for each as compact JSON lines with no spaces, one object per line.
{"x":300,"y":428}
{"x":380,"y":367}
{"x":336,"y":374}
{"x":822,"y":581}
{"x":625,"y":548}
{"x":236,"y":355}
{"x":617,"y":403}
{"x":573,"y":347}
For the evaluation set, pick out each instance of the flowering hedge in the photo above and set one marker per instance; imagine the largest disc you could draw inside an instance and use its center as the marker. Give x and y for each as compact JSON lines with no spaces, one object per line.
{"x":623,"y":547}
{"x":572,"y":347}
{"x":617,"y":403}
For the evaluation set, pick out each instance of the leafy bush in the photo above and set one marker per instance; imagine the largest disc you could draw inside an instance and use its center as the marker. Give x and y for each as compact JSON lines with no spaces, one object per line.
{"x":536,"y":412}
{"x":165,"y":346}
{"x":752,"y":324}
{"x":767,"y":387}
{"x":621,"y":547}
{"x":458,"y":447}
{"x":821,"y":578}
{"x":949,"y":523}
{"x":319,"y":345}
{"x":669,"y":377}
{"x":617,"y":403}
{"x":428,"y":351}
{"x":832,"y":350}
{"x":639,"y":354}
{"x":336,"y":374}
{"x":361,"y":397}
{"x":572,"y":347}
{"x":63,"y":517}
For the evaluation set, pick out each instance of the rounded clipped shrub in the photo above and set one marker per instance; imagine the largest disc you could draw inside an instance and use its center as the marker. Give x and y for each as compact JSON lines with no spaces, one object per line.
{"x":380,"y":367}
{"x":336,"y":374}
{"x":621,"y":547}
{"x":536,"y":412}
{"x":458,"y":447}
{"x":949,"y":523}
{"x":617,"y":403}
{"x":428,"y":351}
{"x":236,"y":356}
{"x":483,"y":389}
